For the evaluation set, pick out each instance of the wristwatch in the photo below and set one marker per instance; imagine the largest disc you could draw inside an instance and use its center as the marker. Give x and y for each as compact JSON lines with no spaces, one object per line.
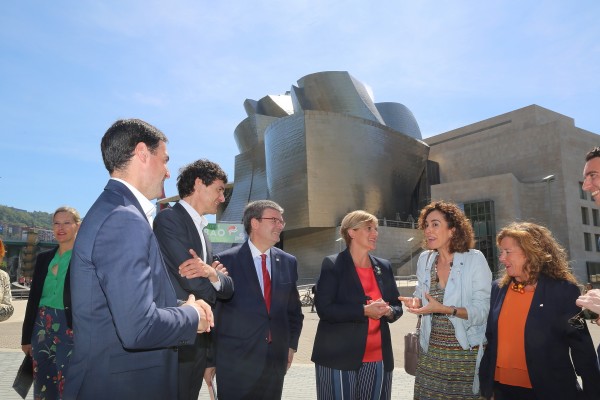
{"x":454,"y":311}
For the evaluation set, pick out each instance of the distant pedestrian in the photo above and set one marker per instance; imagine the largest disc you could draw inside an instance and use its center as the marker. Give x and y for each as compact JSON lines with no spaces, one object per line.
{"x":47,"y":334}
{"x":6,"y":307}
{"x":313,"y":290}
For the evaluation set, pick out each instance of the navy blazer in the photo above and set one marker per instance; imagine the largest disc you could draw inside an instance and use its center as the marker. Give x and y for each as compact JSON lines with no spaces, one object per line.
{"x":125,"y":316}
{"x":42,"y":262}
{"x":176,"y":233}
{"x":242,"y":323}
{"x":548,"y":341}
{"x":342,"y":332}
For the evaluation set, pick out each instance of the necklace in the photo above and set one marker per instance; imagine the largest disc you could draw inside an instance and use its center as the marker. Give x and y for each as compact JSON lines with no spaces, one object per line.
{"x":435,"y":264}
{"x":519,"y":287}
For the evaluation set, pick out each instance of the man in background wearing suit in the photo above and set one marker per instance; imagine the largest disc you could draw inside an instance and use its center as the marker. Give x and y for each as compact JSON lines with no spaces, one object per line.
{"x":260,"y":325}
{"x":126,"y":321}
{"x":179,"y":230}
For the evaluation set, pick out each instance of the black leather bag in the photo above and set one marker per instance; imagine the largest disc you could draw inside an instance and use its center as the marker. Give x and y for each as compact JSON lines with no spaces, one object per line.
{"x":24,"y":378}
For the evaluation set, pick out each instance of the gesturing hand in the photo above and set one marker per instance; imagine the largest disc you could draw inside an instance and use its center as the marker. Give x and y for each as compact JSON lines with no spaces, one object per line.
{"x":413,"y":305}
{"x":410,"y":303}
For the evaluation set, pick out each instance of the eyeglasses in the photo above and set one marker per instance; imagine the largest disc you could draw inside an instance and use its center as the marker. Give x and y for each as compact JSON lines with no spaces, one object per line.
{"x":578,"y":321}
{"x":274,"y":220}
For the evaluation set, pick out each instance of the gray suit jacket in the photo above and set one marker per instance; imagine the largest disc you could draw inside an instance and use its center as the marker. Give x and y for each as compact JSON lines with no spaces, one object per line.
{"x":125,"y":314}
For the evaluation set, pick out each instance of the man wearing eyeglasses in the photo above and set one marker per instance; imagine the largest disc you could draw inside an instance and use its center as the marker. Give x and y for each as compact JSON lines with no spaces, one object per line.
{"x":180,"y":233}
{"x":259,"y":327}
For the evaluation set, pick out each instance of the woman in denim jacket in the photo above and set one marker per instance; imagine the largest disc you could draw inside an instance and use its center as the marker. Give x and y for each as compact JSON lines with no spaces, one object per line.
{"x":452,"y":298}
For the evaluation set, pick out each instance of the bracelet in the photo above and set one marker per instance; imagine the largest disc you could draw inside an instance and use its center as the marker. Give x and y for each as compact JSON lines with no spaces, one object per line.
{"x":454,"y":311}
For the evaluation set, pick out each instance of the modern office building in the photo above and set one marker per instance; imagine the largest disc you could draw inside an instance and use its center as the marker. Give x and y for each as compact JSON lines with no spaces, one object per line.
{"x":525,"y":165}
{"x":324,"y":148}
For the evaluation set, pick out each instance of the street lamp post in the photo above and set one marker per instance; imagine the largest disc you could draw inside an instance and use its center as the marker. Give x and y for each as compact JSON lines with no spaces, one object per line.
{"x":410,"y":239}
{"x":549,"y":179}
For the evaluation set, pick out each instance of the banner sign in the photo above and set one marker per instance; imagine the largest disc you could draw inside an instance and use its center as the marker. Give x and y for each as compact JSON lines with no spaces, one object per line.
{"x":225,"y":233}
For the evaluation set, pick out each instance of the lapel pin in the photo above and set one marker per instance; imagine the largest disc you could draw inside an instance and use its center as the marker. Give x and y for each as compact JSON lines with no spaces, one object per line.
{"x":542,"y":305}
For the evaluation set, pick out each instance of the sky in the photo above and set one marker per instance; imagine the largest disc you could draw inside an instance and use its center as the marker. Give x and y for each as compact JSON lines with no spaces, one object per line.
{"x":68,"y":70}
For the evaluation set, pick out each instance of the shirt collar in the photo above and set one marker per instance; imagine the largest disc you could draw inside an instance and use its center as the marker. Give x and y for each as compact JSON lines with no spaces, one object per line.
{"x":196,"y":217}
{"x":147,"y":206}
{"x":256,"y":252}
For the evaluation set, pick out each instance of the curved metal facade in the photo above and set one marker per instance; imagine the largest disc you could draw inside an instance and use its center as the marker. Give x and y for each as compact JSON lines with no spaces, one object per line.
{"x":323,"y":149}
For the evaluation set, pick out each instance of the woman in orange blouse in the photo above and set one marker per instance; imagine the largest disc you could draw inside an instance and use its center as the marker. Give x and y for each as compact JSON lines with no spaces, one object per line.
{"x":533,"y":352}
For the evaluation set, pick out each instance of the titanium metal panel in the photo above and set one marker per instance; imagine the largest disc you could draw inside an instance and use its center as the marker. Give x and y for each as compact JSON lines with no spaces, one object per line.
{"x":397,"y":116}
{"x":319,"y":175}
{"x":337,"y":92}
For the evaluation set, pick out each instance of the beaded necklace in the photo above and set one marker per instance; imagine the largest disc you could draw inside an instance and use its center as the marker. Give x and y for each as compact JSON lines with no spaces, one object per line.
{"x":519,"y":287}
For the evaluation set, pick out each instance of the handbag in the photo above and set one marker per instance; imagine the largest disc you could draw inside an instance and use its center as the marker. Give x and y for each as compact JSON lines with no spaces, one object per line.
{"x":411,"y":343}
{"x":411,"y":350}
{"x":24,"y":378}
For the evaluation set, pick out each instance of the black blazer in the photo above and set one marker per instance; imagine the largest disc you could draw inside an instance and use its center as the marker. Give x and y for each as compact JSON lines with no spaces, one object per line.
{"x":548,"y":341}
{"x":342,"y":331}
{"x":40,"y":272}
{"x":176,"y":233}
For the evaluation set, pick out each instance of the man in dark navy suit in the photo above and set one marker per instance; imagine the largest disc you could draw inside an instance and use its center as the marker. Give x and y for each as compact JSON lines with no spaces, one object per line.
{"x":126,"y":318}
{"x":260,"y":325}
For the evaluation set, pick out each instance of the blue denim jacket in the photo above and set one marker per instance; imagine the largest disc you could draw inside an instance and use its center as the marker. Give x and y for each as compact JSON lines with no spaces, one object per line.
{"x":469,"y":286}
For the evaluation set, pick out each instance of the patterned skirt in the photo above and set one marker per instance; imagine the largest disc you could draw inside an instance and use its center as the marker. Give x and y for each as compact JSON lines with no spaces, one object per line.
{"x":446,"y":371}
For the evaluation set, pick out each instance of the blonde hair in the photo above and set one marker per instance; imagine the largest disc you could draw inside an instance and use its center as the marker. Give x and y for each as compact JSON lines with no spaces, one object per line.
{"x":542,"y":252}
{"x":354,"y":220}
{"x":74,"y":213}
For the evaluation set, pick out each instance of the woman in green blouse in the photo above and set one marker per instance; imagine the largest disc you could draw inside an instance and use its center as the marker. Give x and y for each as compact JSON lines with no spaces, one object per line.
{"x":47,"y":335}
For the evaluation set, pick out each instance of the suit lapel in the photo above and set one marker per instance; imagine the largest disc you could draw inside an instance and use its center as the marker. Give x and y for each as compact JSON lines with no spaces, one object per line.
{"x":249,"y":270}
{"x":209,"y":254}
{"x":191,"y":226}
{"x":378,"y":272}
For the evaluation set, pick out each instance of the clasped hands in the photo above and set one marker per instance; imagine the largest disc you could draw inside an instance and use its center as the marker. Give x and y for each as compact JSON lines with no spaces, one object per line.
{"x":376,"y":309}
{"x":413,"y":305}
{"x":196,"y":268}
{"x":206,"y":315}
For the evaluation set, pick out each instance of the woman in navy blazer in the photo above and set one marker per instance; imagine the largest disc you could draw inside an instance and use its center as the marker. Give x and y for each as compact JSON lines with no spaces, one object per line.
{"x":533,"y":351}
{"x":356,"y":297}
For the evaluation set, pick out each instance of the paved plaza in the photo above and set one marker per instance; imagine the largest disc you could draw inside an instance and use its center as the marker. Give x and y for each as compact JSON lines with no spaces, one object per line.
{"x":299,"y":382}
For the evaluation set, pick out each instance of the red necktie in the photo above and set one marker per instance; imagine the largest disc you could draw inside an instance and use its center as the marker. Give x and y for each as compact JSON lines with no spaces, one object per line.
{"x":266,"y":282}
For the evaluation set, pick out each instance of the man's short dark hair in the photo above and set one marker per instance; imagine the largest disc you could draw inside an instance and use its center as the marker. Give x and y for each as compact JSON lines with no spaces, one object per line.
{"x":255,"y":210}
{"x":119,"y":141}
{"x":593,"y":153}
{"x":207,"y":171}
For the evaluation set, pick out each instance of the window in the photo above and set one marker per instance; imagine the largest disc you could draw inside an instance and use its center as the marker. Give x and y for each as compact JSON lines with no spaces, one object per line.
{"x":585,"y":216}
{"x":595,"y":217}
{"x":593,"y":269}
{"x":481,"y":215}
{"x":582,"y":193}
{"x":587,"y":241}
{"x":597,"y":239}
